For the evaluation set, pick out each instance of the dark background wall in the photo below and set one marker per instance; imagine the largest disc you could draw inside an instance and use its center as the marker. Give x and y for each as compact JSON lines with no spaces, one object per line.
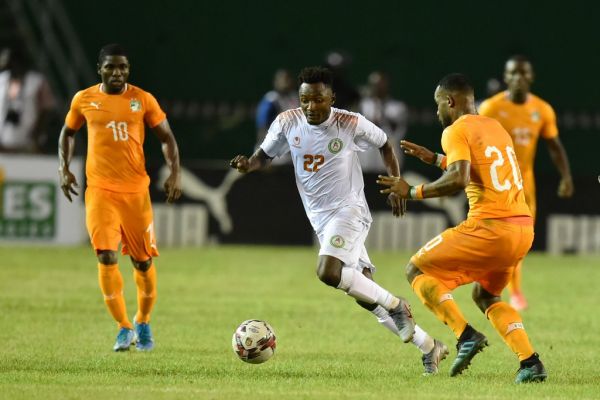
{"x":194,"y":55}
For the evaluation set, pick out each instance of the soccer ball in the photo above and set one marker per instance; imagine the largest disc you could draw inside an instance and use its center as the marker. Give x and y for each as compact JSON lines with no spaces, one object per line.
{"x":254,"y":341}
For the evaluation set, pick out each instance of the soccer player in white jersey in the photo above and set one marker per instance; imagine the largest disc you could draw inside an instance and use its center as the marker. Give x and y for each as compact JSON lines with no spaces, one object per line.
{"x":324,"y":142}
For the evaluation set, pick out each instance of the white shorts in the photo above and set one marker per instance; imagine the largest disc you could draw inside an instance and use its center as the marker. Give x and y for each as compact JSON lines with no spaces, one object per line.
{"x":343,"y":237}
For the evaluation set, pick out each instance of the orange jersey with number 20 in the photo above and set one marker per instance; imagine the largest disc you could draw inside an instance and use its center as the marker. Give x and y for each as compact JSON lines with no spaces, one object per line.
{"x":495,"y":189}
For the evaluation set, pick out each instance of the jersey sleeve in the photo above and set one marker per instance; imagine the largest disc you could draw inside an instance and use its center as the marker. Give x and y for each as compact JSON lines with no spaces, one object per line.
{"x":154,"y":114}
{"x":455,"y":145}
{"x":275,"y":143}
{"x":368,"y":134}
{"x":549,"y":129}
{"x":75,"y":119}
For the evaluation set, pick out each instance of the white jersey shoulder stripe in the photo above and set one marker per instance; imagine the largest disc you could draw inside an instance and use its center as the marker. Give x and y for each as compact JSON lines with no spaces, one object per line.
{"x":346,"y":120}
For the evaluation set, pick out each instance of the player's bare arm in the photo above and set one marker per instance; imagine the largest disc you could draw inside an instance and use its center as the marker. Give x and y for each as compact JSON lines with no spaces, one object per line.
{"x":456,"y":178}
{"x":390,"y":161}
{"x":243,"y":164}
{"x":422,"y":153}
{"x":171,"y":153}
{"x":561,"y":161}
{"x":66,"y":145}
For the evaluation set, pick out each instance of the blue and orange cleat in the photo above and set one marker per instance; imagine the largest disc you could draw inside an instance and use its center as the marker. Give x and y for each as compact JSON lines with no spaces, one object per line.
{"x":144,"y":339}
{"x":125,"y":338}
{"x":467,"y":349}
{"x":531,"y":370}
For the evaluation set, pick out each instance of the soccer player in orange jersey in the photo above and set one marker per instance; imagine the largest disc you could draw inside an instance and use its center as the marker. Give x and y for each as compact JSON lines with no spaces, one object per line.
{"x":117,"y":199}
{"x":486,"y":247}
{"x":526,"y":117}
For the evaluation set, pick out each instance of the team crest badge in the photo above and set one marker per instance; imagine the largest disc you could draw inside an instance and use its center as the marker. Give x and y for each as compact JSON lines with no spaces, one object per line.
{"x":337,"y":241}
{"x":135,"y":105}
{"x":535,"y":116}
{"x":335,"y":145}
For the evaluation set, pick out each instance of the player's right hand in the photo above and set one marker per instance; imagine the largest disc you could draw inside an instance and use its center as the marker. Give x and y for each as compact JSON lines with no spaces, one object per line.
{"x":67,"y":182}
{"x":241,"y":163}
{"x":422,"y":153}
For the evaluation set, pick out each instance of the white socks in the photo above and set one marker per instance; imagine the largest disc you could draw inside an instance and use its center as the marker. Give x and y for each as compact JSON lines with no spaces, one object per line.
{"x":362,"y":288}
{"x":420,"y":339}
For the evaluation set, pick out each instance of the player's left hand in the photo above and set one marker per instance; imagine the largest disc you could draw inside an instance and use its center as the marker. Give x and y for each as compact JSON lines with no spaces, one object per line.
{"x":394,"y":184}
{"x":398,"y":205}
{"x":173,"y":187}
{"x":566,"y":188}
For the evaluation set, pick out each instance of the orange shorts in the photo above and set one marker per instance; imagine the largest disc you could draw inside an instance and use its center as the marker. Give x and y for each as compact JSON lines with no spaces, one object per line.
{"x":484,"y":251}
{"x":112,"y":218}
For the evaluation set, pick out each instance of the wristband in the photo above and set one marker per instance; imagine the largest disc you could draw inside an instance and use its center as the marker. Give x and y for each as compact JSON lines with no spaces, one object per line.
{"x":419,"y":192}
{"x":412,"y":193}
{"x":440,"y":161}
{"x":415,"y":192}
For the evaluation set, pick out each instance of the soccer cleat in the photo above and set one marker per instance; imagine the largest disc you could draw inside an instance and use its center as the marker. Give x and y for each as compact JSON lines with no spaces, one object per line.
{"x":125,"y":338}
{"x":144,"y":340}
{"x":467,"y":349}
{"x":532,"y":373}
{"x":402,"y":317}
{"x":432,"y":360}
{"x":518,"y":301}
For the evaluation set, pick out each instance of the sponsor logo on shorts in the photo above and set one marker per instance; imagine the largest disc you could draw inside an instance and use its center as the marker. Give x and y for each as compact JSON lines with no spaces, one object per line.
{"x":335,"y":145}
{"x":337,"y":241}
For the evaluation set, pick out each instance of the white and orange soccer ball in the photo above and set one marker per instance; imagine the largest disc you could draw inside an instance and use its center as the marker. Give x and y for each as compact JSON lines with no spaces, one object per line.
{"x":254,"y":341}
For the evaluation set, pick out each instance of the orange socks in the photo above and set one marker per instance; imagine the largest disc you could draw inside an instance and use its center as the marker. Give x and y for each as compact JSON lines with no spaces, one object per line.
{"x":111,"y":284}
{"x":438,"y":298}
{"x":509,"y":325}
{"x":515,"y":281}
{"x":146,"y":293}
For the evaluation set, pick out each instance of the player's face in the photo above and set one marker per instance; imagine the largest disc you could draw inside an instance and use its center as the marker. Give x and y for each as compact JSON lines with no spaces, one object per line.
{"x":444,"y":112}
{"x":518,"y":76}
{"x":114,"y":72}
{"x":316,"y":100}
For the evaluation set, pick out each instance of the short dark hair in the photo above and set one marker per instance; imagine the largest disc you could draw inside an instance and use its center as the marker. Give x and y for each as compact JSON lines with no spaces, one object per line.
{"x":456,"y":83}
{"x":316,"y":75}
{"x":113,"y":49}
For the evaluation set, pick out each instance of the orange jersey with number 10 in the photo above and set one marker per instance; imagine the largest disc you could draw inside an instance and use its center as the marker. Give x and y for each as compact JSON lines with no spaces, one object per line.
{"x":115,"y":124}
{"x":495,"y":189}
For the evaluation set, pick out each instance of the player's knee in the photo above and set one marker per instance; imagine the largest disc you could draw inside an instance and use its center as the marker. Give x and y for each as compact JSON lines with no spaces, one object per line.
{"x":142,"y":266}
{"x":328,"y":272}
{"x":412,"y":271}
{"x":107,"y":257}
{"x":483,"y":298}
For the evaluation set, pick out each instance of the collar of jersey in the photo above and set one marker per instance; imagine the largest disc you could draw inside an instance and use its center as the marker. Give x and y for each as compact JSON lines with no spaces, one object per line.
{"x":116,"y":94}
{"x":323,"y":126}
{"x":506,"y":94}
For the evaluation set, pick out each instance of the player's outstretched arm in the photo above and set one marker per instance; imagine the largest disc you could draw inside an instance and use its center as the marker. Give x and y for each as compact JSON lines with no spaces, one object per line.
{"x":456,"y":178}
{"x":171,"y":153}
{"x":561,"y":161}
{"x":393,"y":169}
{"x":243,"y":164}
{"x":66,"y":145}
{"x":423,"y":154}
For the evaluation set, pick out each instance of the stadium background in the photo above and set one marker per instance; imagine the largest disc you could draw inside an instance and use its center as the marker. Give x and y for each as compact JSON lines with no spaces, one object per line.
{"x":209,"y":63}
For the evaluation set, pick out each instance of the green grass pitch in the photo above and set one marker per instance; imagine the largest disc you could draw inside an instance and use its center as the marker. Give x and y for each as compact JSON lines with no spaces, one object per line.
{"x":56,"y":335}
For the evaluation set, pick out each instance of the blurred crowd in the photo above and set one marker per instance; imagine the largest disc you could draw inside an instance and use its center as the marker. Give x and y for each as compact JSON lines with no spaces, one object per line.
{"x":26,"y":104}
